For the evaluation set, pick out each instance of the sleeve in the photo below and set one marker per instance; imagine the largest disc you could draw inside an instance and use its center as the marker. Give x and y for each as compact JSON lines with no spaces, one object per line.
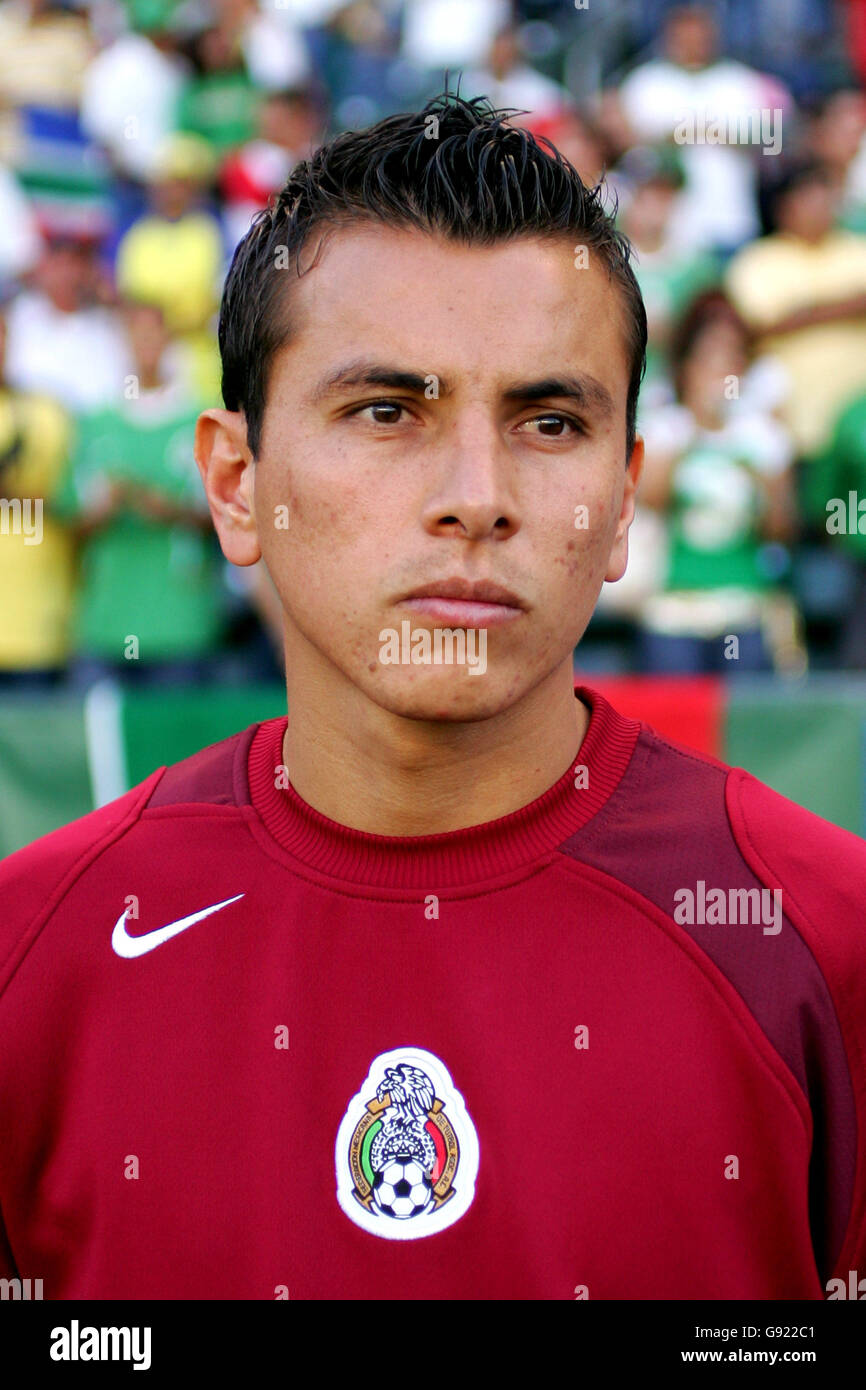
{"x":669,"y":429}
{"x":123,"y":262}
{"x":68,"y":499}
{"x":767,"y":444}
{"x":821,"y":474}
{"x":767,"y":385}
{"x":8,"y":1268}
{"x":34,"y":880}
{"x":839,"y":468}
{"x":92,"y":460}
{"x":820,"y":871}
{"x":759,"y":287}
{"x":50,"y":435}
{"x":177,"y":478}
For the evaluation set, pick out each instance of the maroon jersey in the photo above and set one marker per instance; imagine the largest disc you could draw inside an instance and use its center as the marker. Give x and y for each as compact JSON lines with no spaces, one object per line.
{"x":612,"y":1045}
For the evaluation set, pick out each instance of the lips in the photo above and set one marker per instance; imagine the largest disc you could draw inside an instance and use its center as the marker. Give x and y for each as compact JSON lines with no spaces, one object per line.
{"x":479,"y":591}
{"x":462,"y":603}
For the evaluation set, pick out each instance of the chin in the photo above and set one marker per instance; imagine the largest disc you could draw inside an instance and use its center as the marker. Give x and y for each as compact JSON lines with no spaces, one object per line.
{"x":445,"y":700}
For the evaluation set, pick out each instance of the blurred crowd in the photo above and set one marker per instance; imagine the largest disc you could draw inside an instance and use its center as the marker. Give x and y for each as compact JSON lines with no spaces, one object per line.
{"x":139,"y":137}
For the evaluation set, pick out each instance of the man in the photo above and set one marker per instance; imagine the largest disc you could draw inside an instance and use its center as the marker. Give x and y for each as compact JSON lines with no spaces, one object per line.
{"x":287,"y":122}
{"x":509,"y":81}
{"x":36,"y":551}
{"x":61,"y":341}
{"x":670,"y":278}
{"x":425,"y":992}
{"x":173,"y":255}
{"x":148,"y":607}
{"x":711,"y":106}
{"x":802,"y":290}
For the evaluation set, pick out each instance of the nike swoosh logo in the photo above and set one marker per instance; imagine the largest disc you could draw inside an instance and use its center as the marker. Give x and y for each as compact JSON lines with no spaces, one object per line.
{"x":132,"y":946}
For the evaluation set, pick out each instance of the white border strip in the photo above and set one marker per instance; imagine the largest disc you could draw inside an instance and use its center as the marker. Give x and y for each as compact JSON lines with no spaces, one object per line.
{"x":103,"y":738}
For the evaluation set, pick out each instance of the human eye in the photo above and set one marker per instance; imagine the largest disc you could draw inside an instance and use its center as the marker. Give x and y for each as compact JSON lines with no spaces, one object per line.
{"x":396,"y":409}
{"x":557,"y":420}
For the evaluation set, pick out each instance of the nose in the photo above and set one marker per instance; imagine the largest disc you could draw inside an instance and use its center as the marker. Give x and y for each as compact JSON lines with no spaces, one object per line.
{"x":472,"y":483}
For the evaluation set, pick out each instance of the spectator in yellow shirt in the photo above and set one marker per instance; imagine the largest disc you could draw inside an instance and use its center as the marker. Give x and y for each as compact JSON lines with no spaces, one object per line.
{"x":802,"y":290}
{"x":36,"y":550}
{"x":173,"y":255}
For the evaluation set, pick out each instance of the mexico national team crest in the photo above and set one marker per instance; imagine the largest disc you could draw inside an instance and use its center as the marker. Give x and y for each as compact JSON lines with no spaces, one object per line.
{"x":407,"y":1151}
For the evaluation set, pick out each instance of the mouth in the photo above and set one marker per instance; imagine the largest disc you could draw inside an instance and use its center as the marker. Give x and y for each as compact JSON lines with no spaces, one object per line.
{"x":462,"y":603}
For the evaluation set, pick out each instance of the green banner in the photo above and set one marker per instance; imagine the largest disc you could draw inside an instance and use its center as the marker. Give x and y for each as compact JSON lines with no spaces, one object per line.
{"x":60,"y":756}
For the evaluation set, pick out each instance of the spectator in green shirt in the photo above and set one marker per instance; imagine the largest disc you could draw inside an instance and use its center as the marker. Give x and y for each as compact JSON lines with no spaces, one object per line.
{"x":220,"y":100}
{"x":670,"y":274}
{"x":718,"y":468}
{"x":149,"y":602}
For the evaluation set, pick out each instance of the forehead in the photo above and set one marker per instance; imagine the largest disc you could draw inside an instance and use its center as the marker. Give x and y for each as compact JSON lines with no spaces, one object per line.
{"x":475,"y":313}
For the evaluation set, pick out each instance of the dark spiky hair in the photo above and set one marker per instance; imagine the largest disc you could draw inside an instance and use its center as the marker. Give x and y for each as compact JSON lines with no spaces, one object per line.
{"x":456,"y":168}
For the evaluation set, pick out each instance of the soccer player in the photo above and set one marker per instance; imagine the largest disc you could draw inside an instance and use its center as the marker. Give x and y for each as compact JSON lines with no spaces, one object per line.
{"x":455,"y":983}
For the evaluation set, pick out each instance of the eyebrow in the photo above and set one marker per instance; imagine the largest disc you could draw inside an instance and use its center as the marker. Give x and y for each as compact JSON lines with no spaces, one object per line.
{"x":584,"y":390}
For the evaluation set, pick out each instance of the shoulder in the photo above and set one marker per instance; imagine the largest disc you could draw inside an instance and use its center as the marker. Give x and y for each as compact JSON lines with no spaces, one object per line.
{"x":823,"y":863}
{"x":35,"y":880}
{"x":765,"y":250}
{"x":93,"y":428}
{"x":722,"y":817}
{"x":37,"y":412}
{"x":819,"y":871}
{"x":201,"y":223}
{"x":655,"y":75}
{"x":24,"y":308}
{"x":142,"y":230}
{"x":849,"y":244}
{"x":820,"y":867}
{"x":850,"y":428}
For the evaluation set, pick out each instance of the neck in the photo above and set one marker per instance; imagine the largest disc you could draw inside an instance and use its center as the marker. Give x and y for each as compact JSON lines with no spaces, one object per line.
{"x":383,"y":773}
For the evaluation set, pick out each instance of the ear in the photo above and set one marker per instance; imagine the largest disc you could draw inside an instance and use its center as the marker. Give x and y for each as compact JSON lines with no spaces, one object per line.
{"x":619,"y":551}
{"x":227,"y":470}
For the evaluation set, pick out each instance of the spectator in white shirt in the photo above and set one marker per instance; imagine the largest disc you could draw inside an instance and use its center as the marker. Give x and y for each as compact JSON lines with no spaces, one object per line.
{"x":59,"y":341}
{"x":451,"y":33}
{"x":690,"y":92}
{"x":131,"y":89}
{"x":510,"y":82}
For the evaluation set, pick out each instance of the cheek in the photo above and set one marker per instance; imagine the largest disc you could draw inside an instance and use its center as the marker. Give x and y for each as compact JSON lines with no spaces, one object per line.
{"x":581,"y":558}
{"x":332,"y":504}
{"x":295,"y":520}
{"x":324,"y":555}
{"x":586,"y":546}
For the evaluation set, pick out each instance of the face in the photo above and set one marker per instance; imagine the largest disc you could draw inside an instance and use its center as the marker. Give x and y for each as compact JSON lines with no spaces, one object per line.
{"x":148,"y":339}
{"x":649,"y":211}
{"x":504,"y":52}
{"x":718,"y":353}
{"x":691,"y":39}
{"x":65,"y":274}
{"x":809,"y":209}
{"x":838,"y":133}
{"x":288,"y":123}
{"x":172,"y":197}
{"x":475,"y":464}
{"x":578,"y":144}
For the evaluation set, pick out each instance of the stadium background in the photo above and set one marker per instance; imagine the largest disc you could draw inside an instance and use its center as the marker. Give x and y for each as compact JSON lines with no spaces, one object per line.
{"x":137,"y":139}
